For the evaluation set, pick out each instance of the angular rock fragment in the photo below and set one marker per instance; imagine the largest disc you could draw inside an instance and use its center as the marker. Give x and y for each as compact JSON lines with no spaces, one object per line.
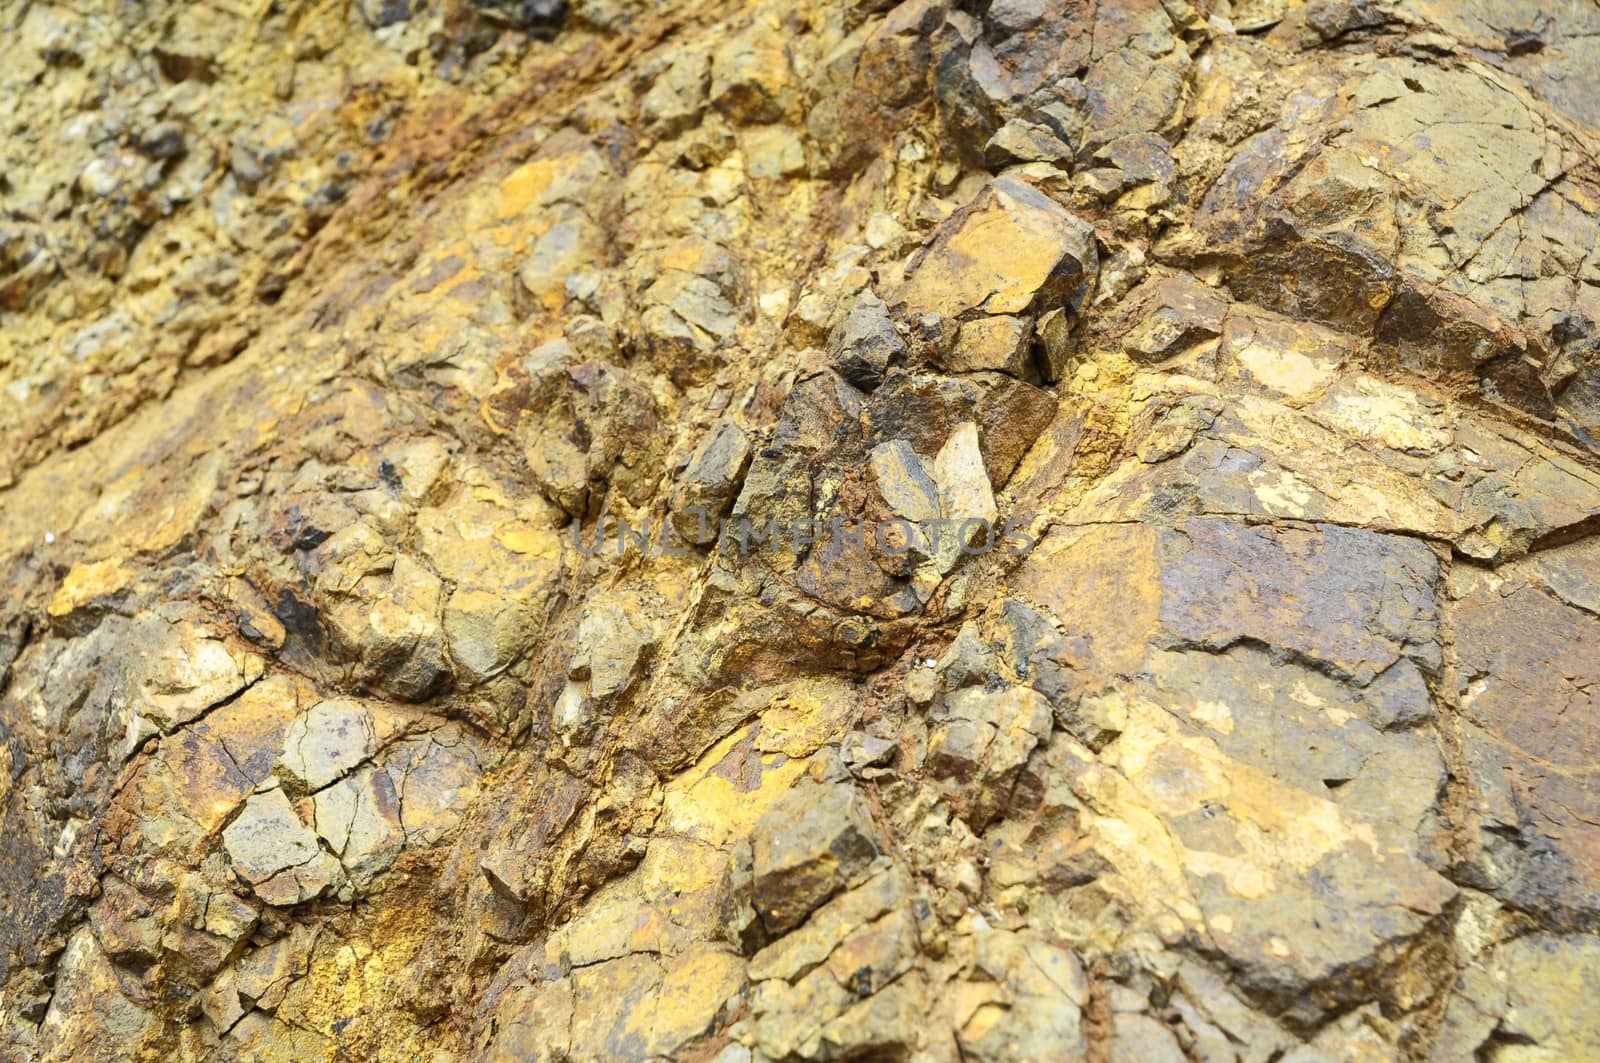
{"x":982,"y":740}
{"x":1010,"y":251}
{"x":966,"y":498}
{"x":386,"y":613}
{"x":324,"y":744}
{"x":1001,"y":343}
{"x":608,"y":653}
{"x":539,"y":17}
{"x":968,"y":661}
{"x":677,"y":95}
{"x":191,"y":672}
{"x":750,"y":77}
{"x":359,"y":819}
{"x":1526,"y":694}
{"x":709,"y":483}
{"x":812,"y":844}
{"x":484,"y":632}
{"x":276,"y":854}
{"x":866,"y":343}
{"x":686,"y":315}
{"x":1029,"y":1004}
{"x":1179,"y":312}
{"x":904,"y":482}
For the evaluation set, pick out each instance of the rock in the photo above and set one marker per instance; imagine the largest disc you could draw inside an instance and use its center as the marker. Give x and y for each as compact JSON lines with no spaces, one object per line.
{"x":677,"y":95}
{"x":1533,"y":842}
{"x":801,"y":951}
{"x":1011,"y":250}
{"x":163,"y":141}
{"x":1021,"y":141}
{"x":485,"y":637}
{"x":436,"y":778}
{"x":904,"y":482}
{"x":126,"y":924}
{"x":813,"y":843}
{"x":750,"y":77}
{"x":709,"y":483}
{"x":359,"y":819}
{"x":264,"y":976}
{"x":1055,"y":343}
{"x":275,"y":853}
{"x":687,"y":314}
{"x":1136,"y":1038}
{"x":335,"y":334}
{"x":1180,"y":312}
{"x":541,"y":18}
{"x":88,"y":1007}
{"x":966,"y":498}
{"x":389,"y":621}
{"x":324,"y":744}
{"x":1039,"y":1015}
{"x":1001,"y":343}
{"x":849,"y":1001}
{"x":866,"y":343}
{"x":216,"y":927}
{"x":773,"y":152}
{"x":982,"y":740}
{"x":609,"y":652}
{"x":1543,"y":1021}
{"x":968,"y":661}
{"x":190,"y":673}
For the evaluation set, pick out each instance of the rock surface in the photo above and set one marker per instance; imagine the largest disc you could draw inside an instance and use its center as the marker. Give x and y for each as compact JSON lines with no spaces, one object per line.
{"x":915,"y":531}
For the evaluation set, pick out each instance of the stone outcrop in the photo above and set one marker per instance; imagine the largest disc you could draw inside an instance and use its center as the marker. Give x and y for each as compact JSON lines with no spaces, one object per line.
{"x":915,"y":531}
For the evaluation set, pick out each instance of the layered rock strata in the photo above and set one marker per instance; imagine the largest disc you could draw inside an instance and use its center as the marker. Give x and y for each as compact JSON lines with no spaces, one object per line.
{"x":1106,"y":496}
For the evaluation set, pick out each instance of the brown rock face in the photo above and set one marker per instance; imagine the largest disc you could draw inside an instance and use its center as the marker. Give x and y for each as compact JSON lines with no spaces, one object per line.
{"x":728,"y":532}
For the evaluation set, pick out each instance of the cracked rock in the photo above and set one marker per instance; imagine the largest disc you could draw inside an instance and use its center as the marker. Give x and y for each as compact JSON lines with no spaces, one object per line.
{"x":277,"y":854}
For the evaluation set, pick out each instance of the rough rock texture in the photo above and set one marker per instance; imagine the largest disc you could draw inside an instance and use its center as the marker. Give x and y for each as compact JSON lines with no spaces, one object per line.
{"x":1158,"y":606}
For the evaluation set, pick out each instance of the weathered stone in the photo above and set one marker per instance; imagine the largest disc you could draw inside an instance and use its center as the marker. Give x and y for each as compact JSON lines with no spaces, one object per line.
{"x":904,"y":482}
{"x":1039,"y":1015}
{"x":687,"y":315}
{"x":709,"y":483}
{"x":982,"y":740}
{"x":390,"y":623}
{"x":609,"y":651}
{"x":1179,"y":312}
{"x":359,"y":818}
{"x":1055,"y":341}
{"x":485,"y":634}
{"x":1524,"y":695}
{"x":677,"y":95}
{"x":849,"y":1002}
{"x":277,"y":854}
{"x":1010,"y":251}
{"x":812,"y":844}
{"x":999,"y":343}
{"x":967,"y":662}
{"x":324,"y":744}
{"x":88,"y":1006}
{"x":1021,"y":141}
{"x":1547,"y":982}
{"x":125,"y":923}
{"x":1138,"y":1038}
{"x":190,"y":673}
{"x":866,"y":343}
{"x":750,"y":76}
{"x":263,"y":977}
{"x":963,"y":481}
{"x":325,"y":361}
